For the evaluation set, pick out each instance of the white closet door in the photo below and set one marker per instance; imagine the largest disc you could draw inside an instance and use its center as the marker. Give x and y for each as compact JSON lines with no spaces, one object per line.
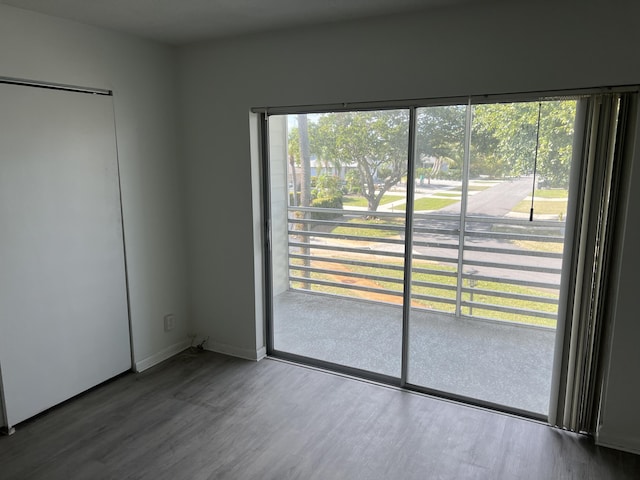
{"x":63,"y":306}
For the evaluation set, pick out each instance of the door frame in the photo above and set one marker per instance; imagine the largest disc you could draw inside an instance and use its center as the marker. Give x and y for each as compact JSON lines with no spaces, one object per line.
{"x":264,"y":113}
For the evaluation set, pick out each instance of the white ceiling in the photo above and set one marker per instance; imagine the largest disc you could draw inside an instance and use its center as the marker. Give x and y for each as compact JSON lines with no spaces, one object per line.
{"x":184,"y":21}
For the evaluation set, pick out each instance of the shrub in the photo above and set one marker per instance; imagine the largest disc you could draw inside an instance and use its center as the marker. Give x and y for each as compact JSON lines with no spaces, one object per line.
{"x":334,"y":201}
{"x":297,"y":202}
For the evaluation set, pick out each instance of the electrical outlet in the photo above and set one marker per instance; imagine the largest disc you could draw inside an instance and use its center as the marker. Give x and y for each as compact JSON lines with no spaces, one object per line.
{"x":169,"y":322}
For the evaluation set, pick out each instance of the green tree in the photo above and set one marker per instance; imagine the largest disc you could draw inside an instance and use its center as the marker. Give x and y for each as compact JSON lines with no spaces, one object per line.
{"x":352,"y":182}
{"x":557,"y":126}
{"x":373,"y":143}
{"x":293,"y":154}
{"x":326,"y":194}
{"x":440,"y":136}
{"x":504,"y":140}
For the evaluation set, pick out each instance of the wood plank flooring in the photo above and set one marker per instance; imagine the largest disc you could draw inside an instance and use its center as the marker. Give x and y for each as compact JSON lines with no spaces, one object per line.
{"x":208,"y":416}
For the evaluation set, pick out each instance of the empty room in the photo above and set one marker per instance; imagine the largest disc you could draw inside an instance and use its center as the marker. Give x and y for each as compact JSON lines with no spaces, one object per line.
{"x":332,"y":240}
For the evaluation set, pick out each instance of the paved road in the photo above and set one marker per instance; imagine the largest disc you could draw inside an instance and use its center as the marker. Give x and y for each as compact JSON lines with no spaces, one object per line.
{"x":496,"y":201}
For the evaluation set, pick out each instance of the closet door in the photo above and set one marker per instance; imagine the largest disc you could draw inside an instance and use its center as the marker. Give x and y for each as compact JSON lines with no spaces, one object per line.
{"x":63,"y":306}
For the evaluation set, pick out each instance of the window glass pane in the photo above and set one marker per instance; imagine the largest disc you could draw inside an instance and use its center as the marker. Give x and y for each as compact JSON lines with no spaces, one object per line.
{"x":338,"y":202}
{"x":494,"y":341}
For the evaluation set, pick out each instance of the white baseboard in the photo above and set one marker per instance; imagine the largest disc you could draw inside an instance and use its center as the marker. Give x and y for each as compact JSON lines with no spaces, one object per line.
{"x":162,"y":355}
{"x":261,"y":353}
{"x":631,"y":445}
{"x":246,"y":353}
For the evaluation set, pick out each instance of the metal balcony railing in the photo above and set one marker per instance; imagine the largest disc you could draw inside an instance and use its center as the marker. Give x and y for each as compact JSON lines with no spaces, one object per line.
{"x":510,"y":268}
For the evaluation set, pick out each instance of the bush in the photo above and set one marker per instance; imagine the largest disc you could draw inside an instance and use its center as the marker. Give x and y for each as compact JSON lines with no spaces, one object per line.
{"x":326,"y":194}
{"x":325,"y":186}
{"x":291,"y":202}
{"x":334,"y":201}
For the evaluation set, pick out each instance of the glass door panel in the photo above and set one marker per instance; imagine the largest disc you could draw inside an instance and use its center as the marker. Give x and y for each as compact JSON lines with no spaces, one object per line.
{"x":338,"y":201}
{"x":438,"y":191}
{"x":489,"y":205}
{"x":439,"y":195}
{"x":495,"y":343}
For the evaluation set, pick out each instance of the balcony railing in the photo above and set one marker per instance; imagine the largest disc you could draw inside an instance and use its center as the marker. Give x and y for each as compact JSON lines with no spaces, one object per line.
{"x":491,"y":268}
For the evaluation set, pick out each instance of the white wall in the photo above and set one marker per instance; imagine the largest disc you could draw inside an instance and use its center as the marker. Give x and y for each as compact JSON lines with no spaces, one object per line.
{"x":463,"y":50}
{"x":3,"y":413}
{"x":142,"y":76}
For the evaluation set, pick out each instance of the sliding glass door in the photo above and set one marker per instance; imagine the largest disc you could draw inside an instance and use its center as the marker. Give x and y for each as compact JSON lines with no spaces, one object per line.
{"x":425,"y":246}
{"x":338,"y":192}
{"x":488,"y":236}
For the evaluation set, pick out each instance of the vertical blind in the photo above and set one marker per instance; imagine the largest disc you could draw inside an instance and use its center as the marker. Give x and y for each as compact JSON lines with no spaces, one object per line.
{"x":601,"y":147}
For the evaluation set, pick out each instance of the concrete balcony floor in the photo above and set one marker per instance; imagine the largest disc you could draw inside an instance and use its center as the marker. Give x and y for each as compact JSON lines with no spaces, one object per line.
{"x":501,"y":363}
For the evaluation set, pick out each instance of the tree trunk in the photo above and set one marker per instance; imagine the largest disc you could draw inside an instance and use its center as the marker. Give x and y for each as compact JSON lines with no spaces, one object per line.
{"x":374,"y":201}
{"x":369,"y":191}
{"x":305,"y":161}
{"x":294,"y":180}
{"x":305,"y":190}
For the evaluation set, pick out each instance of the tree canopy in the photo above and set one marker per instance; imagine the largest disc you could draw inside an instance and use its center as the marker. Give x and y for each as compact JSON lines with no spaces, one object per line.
{"x":505,"y":139}
{"x":374,"y":144}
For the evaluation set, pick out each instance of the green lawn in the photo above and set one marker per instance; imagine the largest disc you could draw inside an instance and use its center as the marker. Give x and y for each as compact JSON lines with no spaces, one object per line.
{"x":429,"y":203}
{"x":542,"y":207}
{"x":552,"y":193}
{"x":448,"y":194}
{"x":369,"y":232}
{"x":539,"y":246}
{"x":357,"y":201}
